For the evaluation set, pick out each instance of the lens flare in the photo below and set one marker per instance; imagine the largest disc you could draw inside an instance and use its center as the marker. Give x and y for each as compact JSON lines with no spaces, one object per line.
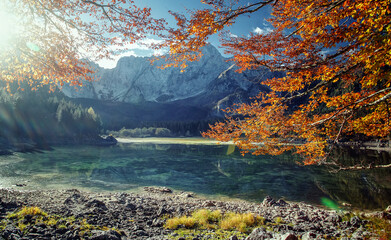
{"x":33,"y":47}
{"x":329,"y":203}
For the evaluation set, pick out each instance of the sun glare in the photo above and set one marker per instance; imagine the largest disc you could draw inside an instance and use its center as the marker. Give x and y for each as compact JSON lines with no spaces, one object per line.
{"x":7,"y":28}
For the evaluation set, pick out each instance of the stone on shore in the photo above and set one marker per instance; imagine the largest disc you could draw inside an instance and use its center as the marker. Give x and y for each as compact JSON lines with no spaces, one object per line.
{"x":142,"y":216}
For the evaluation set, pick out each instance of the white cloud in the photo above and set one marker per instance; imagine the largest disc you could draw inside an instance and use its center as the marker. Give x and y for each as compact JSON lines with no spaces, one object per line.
{"x":159,"y":52}
{"x":151,"y":41}
{"x":136,"y":49}
{"x":111,"y":63}
{"x":233,"y":35}
{"x":261,"y":31}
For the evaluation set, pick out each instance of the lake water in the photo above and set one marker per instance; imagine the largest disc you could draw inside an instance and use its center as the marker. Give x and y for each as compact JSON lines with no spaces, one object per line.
{"x":217,"y":171}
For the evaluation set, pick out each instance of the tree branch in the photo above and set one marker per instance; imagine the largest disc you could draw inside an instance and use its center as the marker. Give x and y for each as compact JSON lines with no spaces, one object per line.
{"x":244,"y":10}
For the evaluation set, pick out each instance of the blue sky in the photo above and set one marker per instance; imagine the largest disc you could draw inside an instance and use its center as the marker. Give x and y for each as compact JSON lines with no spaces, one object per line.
{"x":245,"y":24}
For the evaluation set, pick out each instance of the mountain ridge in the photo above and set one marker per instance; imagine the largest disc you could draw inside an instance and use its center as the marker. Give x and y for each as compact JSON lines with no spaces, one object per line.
{"x":211,"y":83}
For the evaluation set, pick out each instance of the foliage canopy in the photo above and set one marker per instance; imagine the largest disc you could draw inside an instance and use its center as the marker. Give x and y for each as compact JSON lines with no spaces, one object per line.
{"x":335,"y":53}
{"x":337,"y":58}
{"x":50,"y":39}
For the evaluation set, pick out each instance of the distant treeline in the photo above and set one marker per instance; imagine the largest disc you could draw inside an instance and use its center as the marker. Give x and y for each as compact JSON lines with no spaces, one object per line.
{"x":164,"y":129}
{"x":141,"y":132}
{"x":172,"y":129}
{"x":193,"y":128}
{"x":179,"y":118}
{"x":42,"y":116}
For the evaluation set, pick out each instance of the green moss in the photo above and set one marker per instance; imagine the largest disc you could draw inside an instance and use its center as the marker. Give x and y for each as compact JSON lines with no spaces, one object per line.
{"x":27,"y":217}
{"x":3,"y":224}
{"x":347,"y":216}
{"x":22,"y":226}
{"x":190,"y":234}
{"x":61,"y":226}
{"x":278,"y":220}
{"x":86,"y":228}
{"x":51,"y":221}
{"x":380,"y":226}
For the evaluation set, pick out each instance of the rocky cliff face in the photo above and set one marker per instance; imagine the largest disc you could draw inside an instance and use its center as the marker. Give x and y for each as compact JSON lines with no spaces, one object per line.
{"x":210,"y":82}
{"x":134,"y":79}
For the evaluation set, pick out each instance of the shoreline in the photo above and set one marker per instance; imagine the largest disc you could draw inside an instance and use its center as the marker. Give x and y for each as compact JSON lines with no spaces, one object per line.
{"x":173,"y":140}
{"x":28,"y":145}
{"x":143,"y":215}
{"x":369,"y":145}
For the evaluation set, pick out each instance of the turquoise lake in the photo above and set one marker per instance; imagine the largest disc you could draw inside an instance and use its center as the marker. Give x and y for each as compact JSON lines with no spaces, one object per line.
{"x":215,"y":171}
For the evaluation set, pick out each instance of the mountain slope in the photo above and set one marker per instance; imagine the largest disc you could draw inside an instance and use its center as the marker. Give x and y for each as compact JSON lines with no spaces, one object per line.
{"x":200,"y":92}
{"x":135,"y":80}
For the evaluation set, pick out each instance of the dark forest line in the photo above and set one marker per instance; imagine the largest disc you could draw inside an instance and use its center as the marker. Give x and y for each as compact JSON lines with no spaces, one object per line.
{"x":38,"y":119}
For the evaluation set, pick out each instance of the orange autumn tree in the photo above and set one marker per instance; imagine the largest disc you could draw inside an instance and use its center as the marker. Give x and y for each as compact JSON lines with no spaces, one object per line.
{"x":337,"y":58}
{"x":48,"y":39}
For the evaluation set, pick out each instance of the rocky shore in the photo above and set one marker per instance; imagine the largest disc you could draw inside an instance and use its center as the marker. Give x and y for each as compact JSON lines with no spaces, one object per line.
{"x":73,"y":214}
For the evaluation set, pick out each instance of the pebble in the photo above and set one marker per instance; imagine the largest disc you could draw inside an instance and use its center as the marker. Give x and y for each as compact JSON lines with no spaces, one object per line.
{"x":141,"y":216}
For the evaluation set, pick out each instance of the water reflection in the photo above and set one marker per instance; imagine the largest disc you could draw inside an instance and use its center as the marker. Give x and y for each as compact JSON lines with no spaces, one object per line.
{"x":212,"y":170}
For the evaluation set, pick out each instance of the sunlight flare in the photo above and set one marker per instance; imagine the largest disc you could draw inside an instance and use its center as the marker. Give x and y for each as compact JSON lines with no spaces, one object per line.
{"x":8,"y":27}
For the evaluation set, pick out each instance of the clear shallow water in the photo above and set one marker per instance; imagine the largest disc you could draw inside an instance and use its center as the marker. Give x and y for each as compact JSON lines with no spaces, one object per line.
{"x":213,"y":170}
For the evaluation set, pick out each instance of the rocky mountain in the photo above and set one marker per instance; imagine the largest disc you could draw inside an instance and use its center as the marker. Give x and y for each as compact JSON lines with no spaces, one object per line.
{"x":211,"y":83}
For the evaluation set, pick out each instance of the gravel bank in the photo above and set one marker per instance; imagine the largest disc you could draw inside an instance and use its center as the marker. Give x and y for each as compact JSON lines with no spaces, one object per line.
{"x":142,"y":216}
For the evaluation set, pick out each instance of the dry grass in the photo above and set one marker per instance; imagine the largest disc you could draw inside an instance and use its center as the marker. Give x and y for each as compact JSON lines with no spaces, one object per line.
{"x":33,"y":211}
{"x":380,"y":226}
{"x":174,"y":223}
{"x":206,"y":219}
{"x":239,"y":221}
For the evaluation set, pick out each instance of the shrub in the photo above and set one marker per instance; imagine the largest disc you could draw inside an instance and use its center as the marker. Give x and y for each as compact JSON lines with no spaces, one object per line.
{"x":162,"y":132}
{"x":206,"y":219}
{"x":141,"y":132}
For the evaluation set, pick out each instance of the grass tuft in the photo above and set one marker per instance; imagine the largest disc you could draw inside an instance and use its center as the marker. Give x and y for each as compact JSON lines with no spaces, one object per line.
{"x":239,"y":221}
{"x":33,"y":211}
{"x":190,"y":234}
{"x":206,"y":219}
{"x":27,"y":217}
{"x":174,"y":223}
